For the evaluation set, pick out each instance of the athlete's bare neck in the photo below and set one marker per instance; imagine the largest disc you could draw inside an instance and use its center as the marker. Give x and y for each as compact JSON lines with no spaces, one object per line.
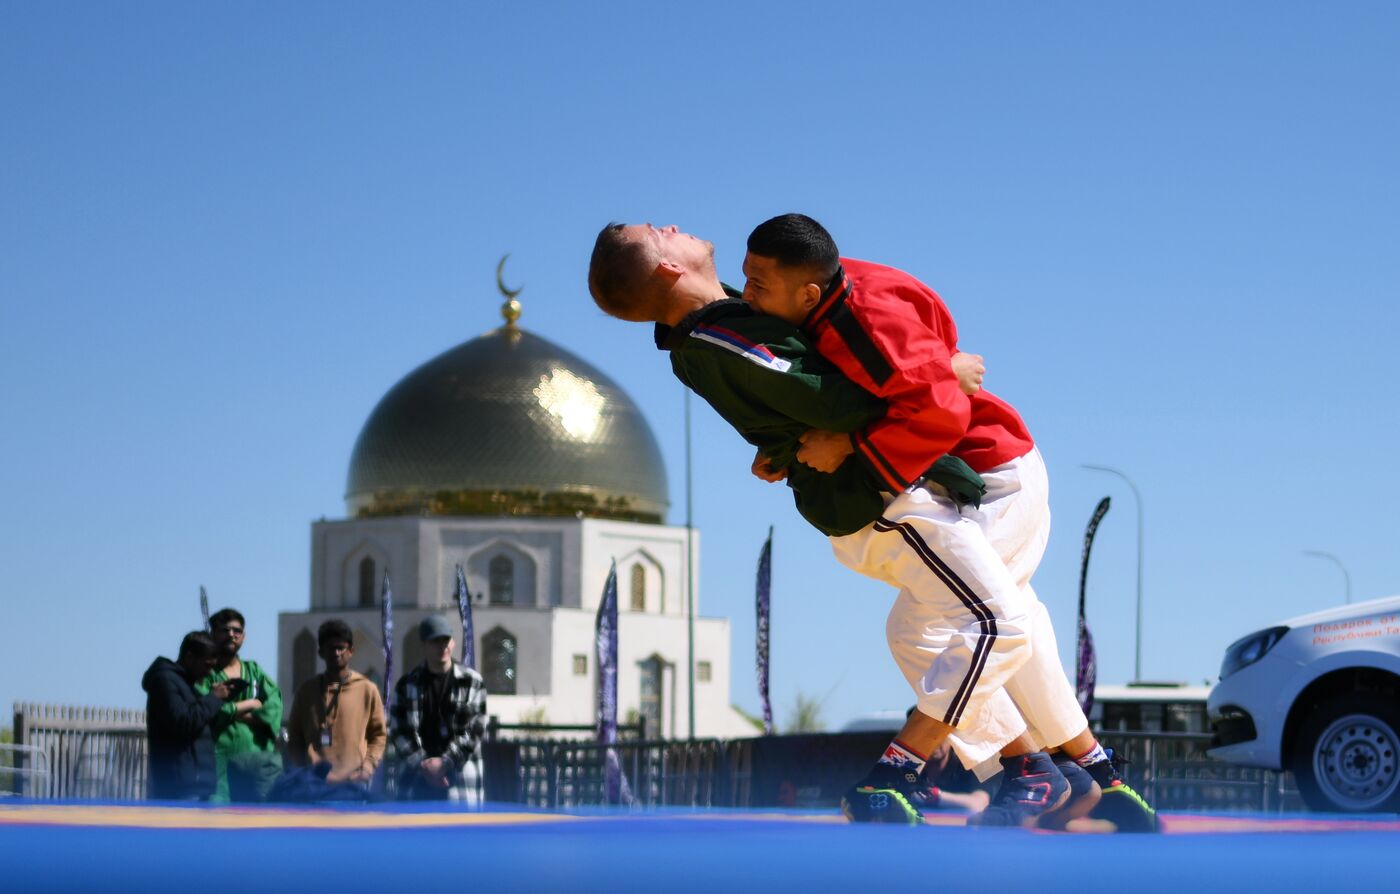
{"x":689,"y":293}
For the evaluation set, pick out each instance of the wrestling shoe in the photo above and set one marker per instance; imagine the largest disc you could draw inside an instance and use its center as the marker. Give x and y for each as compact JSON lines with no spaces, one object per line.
{"x":1084,"y":794}
{"x":1120,"y":805}
{"x":1031,"y":786}
{"x":887,"y":794}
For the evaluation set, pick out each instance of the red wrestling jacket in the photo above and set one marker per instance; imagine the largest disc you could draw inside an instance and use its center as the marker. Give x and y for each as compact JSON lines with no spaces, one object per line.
{"x":893,"y":336}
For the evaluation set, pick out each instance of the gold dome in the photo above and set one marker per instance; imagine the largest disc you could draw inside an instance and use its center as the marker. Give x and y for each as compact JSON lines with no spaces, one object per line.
{"x":507,"y":424}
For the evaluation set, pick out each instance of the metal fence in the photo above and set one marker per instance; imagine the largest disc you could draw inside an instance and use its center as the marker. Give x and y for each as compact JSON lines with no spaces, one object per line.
{"x":65,"y":751}
{"x":495,"y":729}
{"x":95,"y":753}
{"x":22,"y":768}
{"x":1173,"y":771}
{"x":694,"y":773}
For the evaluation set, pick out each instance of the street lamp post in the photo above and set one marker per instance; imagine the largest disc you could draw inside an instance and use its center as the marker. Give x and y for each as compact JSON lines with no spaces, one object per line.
{"x":1322,"y":555}
{"x":1137,"y":497}
{"x":689,"y":574}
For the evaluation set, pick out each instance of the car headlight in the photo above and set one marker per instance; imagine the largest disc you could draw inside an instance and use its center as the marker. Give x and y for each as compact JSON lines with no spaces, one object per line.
{"x":1242,"y":653}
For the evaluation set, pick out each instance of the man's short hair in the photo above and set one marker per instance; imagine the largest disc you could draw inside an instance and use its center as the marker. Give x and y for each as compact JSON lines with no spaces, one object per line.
{"x":796,"y":240}
{"x":620,"y":274}
{"x":332,"y":631}
{"x":223,"y":616}
{"x":197,"y":644}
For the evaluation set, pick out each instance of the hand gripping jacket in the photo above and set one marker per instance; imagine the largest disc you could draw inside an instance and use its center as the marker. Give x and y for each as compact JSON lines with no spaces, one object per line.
{"x":765,"y":379}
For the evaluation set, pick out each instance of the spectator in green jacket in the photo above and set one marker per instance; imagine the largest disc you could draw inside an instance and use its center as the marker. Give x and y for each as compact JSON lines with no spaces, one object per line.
{"x":245,"y":741}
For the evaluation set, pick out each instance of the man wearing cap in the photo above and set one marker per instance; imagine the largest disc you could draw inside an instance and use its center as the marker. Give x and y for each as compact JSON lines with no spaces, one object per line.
{"x":439,"y":716}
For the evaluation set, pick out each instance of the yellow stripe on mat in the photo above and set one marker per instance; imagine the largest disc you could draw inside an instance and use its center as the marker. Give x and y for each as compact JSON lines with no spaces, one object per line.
{"x":157,"y":817}
{"x":255,"y":818}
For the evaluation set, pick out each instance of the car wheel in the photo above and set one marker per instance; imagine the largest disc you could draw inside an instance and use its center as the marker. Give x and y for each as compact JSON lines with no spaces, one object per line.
{"x":1347,"y":756}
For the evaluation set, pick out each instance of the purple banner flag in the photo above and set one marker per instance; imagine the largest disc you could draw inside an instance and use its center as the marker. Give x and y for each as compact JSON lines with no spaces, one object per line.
{"x":606,"y":632}
{"x":1087,"y":671}
{"x":615,"y":784}
{"x":761,"y":599}
{"x":464,"y":608}
{"x":386,"y":621}
{"x":204,"y":605}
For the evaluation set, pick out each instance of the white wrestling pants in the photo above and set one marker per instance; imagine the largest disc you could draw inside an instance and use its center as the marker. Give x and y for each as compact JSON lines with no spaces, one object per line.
{"x":967,"y":630}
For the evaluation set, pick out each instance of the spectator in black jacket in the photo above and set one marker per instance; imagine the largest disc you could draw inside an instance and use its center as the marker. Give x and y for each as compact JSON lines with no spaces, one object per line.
{"x":181,"y":740}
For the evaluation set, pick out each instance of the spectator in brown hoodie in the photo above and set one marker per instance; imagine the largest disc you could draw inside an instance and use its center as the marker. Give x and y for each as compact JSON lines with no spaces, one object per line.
{"x":337,"y":716}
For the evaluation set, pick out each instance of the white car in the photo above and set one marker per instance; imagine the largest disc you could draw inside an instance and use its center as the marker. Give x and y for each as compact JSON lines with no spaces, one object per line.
{"x":1318,"y":695}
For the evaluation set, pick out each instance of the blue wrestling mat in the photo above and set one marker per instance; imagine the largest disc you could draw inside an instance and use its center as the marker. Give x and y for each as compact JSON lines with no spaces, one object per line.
{"x":153,"y":848}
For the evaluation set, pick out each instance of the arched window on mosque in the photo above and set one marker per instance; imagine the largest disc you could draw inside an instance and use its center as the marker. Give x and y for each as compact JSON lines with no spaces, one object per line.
{"x":501,"y":574}
{"x":639,"y":588}
{"x":367,"y":583}
{"x":498,"y":657}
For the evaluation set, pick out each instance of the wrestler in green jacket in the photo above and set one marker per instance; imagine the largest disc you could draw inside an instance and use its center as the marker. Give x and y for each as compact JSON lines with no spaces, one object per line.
{"x":765,"y":378}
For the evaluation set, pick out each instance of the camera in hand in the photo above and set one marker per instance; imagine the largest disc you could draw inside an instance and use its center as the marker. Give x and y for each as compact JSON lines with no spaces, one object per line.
{"x":236,"y":687}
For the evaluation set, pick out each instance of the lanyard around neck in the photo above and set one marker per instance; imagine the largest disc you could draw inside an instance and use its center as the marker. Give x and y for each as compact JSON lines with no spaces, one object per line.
{"x":331,"y":711}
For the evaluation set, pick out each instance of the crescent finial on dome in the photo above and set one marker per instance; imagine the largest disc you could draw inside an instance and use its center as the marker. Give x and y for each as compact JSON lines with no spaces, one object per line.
{"x":510,"y":310}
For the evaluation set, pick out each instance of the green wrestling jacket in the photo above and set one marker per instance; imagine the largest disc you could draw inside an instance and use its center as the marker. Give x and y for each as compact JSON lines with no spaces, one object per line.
{"x":765,"y":378}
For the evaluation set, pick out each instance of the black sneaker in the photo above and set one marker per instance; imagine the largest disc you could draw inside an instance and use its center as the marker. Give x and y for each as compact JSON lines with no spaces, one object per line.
{"x":1084,"y":793}
{"x":1120,"y":805}
{"x":887,"y":794}
{"x":1031,"y":786}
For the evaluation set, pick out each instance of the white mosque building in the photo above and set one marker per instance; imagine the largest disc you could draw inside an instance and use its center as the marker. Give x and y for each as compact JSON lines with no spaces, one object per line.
{"x":535,"y":472}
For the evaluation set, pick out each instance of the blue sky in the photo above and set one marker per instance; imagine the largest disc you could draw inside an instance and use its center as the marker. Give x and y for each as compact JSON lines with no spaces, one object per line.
{"x":227,"y":229}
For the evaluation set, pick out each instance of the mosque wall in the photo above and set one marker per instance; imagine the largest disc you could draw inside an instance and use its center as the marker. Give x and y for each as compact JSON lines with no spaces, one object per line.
{"x":348,"y":559}
{"x":535,"y":580}
{"x":540,"y":553}
{"x":658,"y":551}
